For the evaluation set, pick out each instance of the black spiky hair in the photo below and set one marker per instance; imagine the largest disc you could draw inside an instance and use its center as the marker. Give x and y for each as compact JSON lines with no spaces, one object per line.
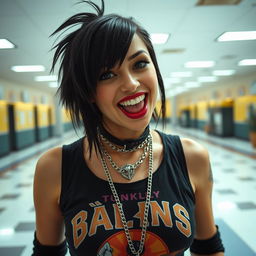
{"x":100,"y":42}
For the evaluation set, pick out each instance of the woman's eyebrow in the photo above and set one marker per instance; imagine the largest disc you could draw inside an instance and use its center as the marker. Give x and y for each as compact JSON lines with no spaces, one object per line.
{"x":137,"y":53}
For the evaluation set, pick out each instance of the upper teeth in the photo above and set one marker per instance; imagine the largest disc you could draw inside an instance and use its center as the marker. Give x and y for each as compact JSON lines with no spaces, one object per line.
{"x":133,"y":101}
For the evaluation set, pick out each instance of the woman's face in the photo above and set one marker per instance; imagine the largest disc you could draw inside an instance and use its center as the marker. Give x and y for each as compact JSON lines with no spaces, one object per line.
{"x":126,"y":95}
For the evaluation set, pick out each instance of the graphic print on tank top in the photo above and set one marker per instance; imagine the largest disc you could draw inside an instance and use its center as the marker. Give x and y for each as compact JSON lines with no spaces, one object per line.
{"x":117,"y":245}
{"x":91,"y":216}
{"x":160,"y":214}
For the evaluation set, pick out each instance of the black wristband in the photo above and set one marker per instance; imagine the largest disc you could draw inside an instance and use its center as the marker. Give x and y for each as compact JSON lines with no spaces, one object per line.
{"x":49,"y":250}
{"x":208,"y":246}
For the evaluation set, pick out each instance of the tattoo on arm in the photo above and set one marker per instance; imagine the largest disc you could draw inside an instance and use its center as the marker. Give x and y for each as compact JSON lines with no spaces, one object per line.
{"x":210,"y":173}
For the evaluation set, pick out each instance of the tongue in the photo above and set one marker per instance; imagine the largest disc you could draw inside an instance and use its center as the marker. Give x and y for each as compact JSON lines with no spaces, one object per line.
{"x":134,"y":108}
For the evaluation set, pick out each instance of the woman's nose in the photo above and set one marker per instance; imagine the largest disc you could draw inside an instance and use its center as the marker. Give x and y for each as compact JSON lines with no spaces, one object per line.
{"x":130,"y":83}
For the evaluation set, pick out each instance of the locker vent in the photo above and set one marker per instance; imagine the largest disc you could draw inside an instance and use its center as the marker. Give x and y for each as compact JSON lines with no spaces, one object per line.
{"x":173,"y":50}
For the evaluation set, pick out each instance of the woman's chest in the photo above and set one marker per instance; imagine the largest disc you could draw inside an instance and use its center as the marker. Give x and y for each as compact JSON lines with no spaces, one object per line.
{"x":95,"y":222}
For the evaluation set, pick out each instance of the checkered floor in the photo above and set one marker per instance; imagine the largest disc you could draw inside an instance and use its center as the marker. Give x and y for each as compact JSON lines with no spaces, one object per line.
{"x":234,"y":197}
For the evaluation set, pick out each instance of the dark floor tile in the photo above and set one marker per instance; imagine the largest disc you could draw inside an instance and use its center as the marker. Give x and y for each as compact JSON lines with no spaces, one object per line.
{"x":227,"y":156}
{"x":229,"y":170}
{"x":226,"y":191}
{"x":10,"y":196}
{"x":17,"y":169}
{"x":23,"y":185}
{"x":11,"y":251}
{"x":2,"y":209}
{"x":5,"y":177}
{"x":246,"y":205}
{"x":25,"y":226}
{"x":241,"y":161}
{"x":246,"y":178}
{"x":32,"y":209}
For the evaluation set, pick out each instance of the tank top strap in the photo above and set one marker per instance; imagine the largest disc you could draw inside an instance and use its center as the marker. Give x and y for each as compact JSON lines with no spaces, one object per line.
{"x":174,"y":150}
{"x":71,"y":153}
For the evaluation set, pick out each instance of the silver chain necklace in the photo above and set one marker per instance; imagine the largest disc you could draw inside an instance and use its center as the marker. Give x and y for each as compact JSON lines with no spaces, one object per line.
{"x":147,"y":203}
{"x":127,"y":170}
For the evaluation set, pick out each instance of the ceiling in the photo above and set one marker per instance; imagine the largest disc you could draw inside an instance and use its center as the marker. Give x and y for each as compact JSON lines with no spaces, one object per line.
{"x":193,"y":28}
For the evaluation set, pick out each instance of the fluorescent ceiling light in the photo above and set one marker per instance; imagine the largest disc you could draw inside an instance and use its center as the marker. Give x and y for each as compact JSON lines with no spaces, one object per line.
{"x":223,"y":72}
{"x":182,"y":74}
{"x":204,"y":79}
{"x":6,"y":44}
{"x":53,"y":84}
{"x":181,"y":89}
{"x":247,"y":62}
{"x":192,"y":84}
{"x":172,"y":80}
{"x":27,"y":68}
{"x":46,"y":78}
{"x":159,"y":38}
{"x":170,"y":93}
{"x":199,"y":64}
{"x":176,"y":91}
{"x":237,"y":36}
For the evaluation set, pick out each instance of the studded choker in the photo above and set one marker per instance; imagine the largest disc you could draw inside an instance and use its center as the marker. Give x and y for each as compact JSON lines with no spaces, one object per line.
{"x":127,"y":145}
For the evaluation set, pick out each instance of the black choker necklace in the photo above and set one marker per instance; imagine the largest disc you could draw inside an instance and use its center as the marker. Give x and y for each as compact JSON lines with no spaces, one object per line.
{"x":128,"y":144}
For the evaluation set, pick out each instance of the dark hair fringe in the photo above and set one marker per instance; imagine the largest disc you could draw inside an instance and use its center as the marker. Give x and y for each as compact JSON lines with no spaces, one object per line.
{"x":62,"y":52}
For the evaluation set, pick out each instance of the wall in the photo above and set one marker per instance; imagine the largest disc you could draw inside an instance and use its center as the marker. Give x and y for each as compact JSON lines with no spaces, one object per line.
{"x":233,"y":88}
{"x":12,"y":92}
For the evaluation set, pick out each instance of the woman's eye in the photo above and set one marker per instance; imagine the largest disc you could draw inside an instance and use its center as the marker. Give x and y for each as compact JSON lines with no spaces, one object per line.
{"x":141,"y":64}
{"x":106,"y":75}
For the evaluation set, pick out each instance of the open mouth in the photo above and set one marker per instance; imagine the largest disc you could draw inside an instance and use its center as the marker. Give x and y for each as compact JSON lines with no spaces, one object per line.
{"x":134,"y":106}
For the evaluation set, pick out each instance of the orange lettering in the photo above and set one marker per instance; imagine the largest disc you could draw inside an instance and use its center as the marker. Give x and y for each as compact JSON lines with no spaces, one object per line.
{"x":118,"y":223}
{"x":79,"y":228}
{"x":164,"y":214}
{"x":183,"y":225}
{"x":140,"y":214}
{"x":100,"y":217}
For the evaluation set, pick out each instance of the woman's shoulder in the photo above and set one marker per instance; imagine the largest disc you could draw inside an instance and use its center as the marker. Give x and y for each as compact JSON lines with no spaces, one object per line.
{"x":48,"y":167}
{"x":50,"y":157}
{"x":197,"y":160}
{"x":194,"y":150}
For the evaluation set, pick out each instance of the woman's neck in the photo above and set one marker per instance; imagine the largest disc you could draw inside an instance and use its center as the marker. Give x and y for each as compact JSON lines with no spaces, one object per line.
{"x":126,"y":143}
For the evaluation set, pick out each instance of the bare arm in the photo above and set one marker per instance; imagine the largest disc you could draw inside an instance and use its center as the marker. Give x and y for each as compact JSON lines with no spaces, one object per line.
{"x":201,"y":178}
{"x":47,"y":187}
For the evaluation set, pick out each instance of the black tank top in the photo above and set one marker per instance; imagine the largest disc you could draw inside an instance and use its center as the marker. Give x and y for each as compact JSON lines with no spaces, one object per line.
{"x":92,"y":222}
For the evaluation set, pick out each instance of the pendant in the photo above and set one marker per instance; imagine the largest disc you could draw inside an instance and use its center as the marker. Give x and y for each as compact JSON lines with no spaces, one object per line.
{"x":127,"y":171}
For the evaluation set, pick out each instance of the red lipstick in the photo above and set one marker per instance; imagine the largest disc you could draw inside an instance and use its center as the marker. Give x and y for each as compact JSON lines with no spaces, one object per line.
{"x":135,"y":115}
{"x":131,"y":97}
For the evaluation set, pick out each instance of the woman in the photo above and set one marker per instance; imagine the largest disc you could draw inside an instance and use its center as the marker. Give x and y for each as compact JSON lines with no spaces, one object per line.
{"x":123,"y":189}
